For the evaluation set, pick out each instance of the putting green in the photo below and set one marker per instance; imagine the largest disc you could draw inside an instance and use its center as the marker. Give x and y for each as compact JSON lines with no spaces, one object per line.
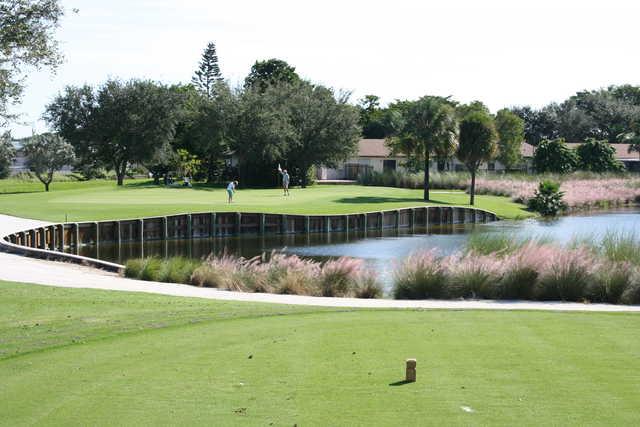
{"x":104,"y":200}
{"x":82,"y":357}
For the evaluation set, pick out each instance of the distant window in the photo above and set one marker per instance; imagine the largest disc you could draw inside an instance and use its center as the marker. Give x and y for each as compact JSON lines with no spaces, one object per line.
{"x":442,"y":165}
{"x":388,"y":165}
{"x":491,"y":166}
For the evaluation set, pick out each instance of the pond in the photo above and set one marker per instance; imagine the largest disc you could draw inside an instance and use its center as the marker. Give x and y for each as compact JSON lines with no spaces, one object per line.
{"x":380,"y":249}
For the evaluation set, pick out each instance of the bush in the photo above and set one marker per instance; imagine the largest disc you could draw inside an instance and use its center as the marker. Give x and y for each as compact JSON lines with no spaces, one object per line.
{"x":547,"y":200}
{"x":554,"y":156}
{"x":420,"y":276}
{"x":567,"y":277}
{"x":367,"y":285}
{"x":473,"y":276}
{"x":598,"y":156}
{"x":338,"y":277}
{"x":610,"y":282}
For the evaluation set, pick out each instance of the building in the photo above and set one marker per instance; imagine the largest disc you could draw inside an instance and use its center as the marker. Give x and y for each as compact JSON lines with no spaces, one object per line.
{"x":374,"y":156}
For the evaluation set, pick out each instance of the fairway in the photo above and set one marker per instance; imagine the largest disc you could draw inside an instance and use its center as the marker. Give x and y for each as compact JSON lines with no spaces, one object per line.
{"x":104,"y":200}
{"x":81,"y":357}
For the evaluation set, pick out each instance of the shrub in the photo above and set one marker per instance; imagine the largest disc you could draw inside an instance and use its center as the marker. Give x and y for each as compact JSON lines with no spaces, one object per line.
{"x":554,"y":156}
{"x":338,"y":277}
{"x":133,"y":268}
{"x":473,"y":275}
{"x":547,"y":200}
{"x":437,"y":180}
{"x":610,"y":282}
{"x":598,"y":156}
{"x":152,"y":270}
{"x":631,"y":295}
{"x":367,"y":284}
{"x":420,"y":276}
{"x":567,"y":276}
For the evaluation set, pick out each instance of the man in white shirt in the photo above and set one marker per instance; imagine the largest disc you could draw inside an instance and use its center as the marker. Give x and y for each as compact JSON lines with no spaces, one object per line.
{"x":231,"y":188}
{"x":285,"y":180}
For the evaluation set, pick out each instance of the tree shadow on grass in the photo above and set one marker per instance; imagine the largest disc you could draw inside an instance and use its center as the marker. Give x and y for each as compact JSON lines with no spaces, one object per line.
{"x":374,"y":200}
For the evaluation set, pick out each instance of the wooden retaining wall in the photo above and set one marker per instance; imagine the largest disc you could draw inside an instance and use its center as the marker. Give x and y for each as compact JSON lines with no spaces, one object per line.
{"x":58,"y":237}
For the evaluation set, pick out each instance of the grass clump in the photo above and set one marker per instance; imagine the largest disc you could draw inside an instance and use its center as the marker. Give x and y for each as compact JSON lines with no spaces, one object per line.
{"x":277,"y":273}
{"x":420,"y":276}
{"x":172,"y":270}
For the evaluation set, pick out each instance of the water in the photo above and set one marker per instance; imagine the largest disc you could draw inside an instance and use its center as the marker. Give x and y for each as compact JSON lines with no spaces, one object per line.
{"x":379,"y":249}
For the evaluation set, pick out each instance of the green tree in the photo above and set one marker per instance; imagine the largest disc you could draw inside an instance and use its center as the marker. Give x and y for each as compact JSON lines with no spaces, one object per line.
{"x":27,"y":42}
{"x":46,"y":154}
{"x":261,"y":134}
{"x":206,"y":128}
{"x":510,"y":130}
{"x":598,"y":156}
{"x":427,"y":126}
{"x":477,"y":144}
{"x":208,"y":76}
{"x":554,"y":156}
{"x":7,"y":154}
{"x":118,"y":124}
{"x":270,"y":72}
{"x":325,"y":129}
{"x":633,"y":139}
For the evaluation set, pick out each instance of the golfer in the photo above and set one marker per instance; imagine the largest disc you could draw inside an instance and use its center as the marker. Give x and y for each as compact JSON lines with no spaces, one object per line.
{"x":231,"y":188}
{"x":285,"y":180}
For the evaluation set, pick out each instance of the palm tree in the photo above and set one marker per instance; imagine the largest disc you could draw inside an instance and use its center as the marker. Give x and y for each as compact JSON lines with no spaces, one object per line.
{"x":428,"y":126}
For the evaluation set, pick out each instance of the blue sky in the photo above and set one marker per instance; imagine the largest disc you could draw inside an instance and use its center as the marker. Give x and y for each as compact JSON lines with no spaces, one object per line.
{"x":498,"y":51}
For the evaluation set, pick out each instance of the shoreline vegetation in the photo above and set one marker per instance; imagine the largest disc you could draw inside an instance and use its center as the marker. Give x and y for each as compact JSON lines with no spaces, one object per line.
{"x":582,"y":190}
{"x":491,"y":267}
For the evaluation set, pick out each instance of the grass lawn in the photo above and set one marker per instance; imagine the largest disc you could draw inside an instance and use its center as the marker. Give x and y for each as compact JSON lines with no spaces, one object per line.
{"x":98,"y":200}
{"x":83,"y":357}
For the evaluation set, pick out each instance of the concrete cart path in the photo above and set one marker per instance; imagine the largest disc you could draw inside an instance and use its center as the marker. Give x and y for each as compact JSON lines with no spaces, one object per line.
{"x":21,"y":269}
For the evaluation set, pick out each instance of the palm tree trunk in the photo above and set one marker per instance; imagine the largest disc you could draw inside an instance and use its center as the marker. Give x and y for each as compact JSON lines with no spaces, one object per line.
{"x":473,"y":187}
{"x":426,"y":175}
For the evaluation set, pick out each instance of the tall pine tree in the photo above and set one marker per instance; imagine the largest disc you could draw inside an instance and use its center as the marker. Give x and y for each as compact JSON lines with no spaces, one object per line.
{"x":208,"y":73}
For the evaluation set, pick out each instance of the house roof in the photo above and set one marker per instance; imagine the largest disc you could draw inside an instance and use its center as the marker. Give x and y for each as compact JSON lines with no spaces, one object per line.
{"x":374,"y":148}
{"x":378,"y":148}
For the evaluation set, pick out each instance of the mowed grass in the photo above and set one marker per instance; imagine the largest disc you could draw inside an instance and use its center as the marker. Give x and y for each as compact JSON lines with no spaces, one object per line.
{"x":86,"y":357}
{"x":101,"y":200}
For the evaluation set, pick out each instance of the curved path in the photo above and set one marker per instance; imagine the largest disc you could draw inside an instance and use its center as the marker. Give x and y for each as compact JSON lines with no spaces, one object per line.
{"x":22,"y":269}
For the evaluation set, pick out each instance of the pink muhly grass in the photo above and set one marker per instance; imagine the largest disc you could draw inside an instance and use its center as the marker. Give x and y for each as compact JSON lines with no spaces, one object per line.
{"x":473,"y":275}
{"x":420,"y":276}
{"x":338,"y":277}
{"x":567,"y":276}
{"x":578,"y":193}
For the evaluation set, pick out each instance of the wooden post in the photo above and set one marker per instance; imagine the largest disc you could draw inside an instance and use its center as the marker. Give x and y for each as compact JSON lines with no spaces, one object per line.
{"x":364,"y":223}
{"x":214,"y":223}
{"x":97,"y":232}
{"x":76,"y":235}
{"x":141,"y":225}
{"x":189,"y":227}
{"x":412,"y":219}
{"x":410,"y":375}
{"x":327,"y":224}
{"x":346,"y":224}
{"x":32,"y":238}
{"x":52,"y":237}
{"x":61,"y":242}
{"x":397,"y":219}
{"x":381,"y":221}
{"x":307,"y":224}
{"x":262,"y":220}
{"x":165,"y":228}
{"x":238,"y":223}
{"x":118,"y":233}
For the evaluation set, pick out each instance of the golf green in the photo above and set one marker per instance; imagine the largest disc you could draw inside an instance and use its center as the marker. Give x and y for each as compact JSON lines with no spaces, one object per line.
{"x":85,"y":357}
{"x":98,"y":200}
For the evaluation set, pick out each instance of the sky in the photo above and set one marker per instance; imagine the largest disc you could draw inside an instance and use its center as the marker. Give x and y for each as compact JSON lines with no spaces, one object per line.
{"x":501,"y":52}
